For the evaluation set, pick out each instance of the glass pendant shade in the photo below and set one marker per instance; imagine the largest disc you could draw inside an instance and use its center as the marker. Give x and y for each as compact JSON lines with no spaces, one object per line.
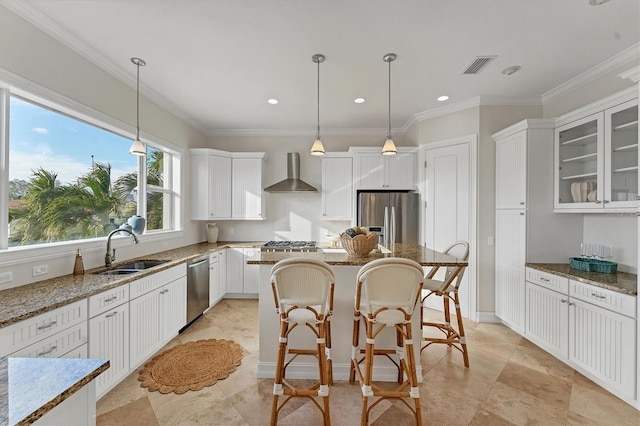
{"x":317,"y":148}
{"x":138,"y":148}
{"x":389,"y":148}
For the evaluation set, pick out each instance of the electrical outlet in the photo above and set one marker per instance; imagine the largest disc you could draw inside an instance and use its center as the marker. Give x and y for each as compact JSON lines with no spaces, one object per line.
{"x":6,"y":277}
{"x":491,"y":241}
{"x":40,"y":270}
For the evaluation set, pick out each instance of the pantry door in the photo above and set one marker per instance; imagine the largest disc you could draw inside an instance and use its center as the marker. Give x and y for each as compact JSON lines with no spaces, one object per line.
{"x":448,"y":210}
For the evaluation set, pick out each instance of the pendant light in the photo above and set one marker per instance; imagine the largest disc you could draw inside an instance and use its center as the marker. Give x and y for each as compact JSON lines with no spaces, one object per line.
{"x":317,"y":148}
{"x":389,"y":147}
{"x":137,"y":147}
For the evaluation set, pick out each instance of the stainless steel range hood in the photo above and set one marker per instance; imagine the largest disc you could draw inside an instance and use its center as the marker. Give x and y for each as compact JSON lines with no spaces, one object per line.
{"x":292,"y":183}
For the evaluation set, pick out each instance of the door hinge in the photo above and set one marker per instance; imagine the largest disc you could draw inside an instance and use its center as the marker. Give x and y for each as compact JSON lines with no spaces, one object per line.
{"x":425,"y":204}
{"x":425,"y":164}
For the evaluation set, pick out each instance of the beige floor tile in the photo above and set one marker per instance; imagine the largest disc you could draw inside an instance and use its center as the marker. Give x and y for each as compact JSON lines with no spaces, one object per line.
{"x":484,"y":417}
{"x":125,"y":392}
{"x":537,"y":359}
{"x":138,"y":412}
{"x":602,"y":408}
{"x":554,"y":391}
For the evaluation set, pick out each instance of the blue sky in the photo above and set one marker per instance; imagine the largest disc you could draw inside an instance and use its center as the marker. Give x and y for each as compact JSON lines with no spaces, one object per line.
{"x":39,"y":137}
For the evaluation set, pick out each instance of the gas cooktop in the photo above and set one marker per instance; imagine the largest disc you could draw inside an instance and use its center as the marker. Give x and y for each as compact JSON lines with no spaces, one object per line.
{"x":289,"y":246}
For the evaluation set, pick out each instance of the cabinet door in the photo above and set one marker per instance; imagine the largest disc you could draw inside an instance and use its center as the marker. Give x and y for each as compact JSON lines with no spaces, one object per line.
{"x":337,"y":190}
{"x":400,"y":171}
{"x":579,"y":163}
{"x":219,"y":187}
{"x":145,"y":338}
{"x":235,"y":270}
{"x":547,"y":319}
{"x":199,"y":187}
{"x":251,"y":272}
{"x":214,"y":279}
{"x":173,"y":308}
{"x":510,"y":267}
{"x":603,"y":343}
{"x":511,"y":171}
{"x":222,"y":269}
{"x":109,"y":339}
{"x":370,"y":171}
{"x":246,"y":184}
{"x":621,"y":155}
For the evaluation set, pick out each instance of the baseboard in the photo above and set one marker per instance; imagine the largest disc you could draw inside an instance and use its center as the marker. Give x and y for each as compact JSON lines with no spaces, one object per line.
{"x":488,"y":317}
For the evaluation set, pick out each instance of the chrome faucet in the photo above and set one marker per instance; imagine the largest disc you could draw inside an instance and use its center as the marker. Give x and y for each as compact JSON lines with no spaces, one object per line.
{"x":109,"y":257}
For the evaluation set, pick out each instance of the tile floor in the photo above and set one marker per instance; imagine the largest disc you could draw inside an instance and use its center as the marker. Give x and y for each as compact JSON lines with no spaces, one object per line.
{"x":511,"y":381}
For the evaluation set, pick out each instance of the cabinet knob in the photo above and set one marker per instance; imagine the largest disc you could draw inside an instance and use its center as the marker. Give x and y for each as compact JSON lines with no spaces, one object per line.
{"x":605,"y":201}
{"x":521,"y":214}
{"x":598,"y":201}
{"x":522,"y":203}
{"x":563,"y":300}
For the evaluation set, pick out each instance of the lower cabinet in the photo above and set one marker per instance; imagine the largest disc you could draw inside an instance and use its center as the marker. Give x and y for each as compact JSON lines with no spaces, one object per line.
{"x":157,"y":314}
{"x":590,"y":328}
{"x":242,"y":280}
{"x":109,"y":339}
{"x":215,"y":292}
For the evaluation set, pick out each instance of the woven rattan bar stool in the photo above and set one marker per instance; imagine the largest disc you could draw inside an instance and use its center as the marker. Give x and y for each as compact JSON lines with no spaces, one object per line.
{"x":303,"y":295}
{"x":387,"y":293}
{"x":448,"y":290}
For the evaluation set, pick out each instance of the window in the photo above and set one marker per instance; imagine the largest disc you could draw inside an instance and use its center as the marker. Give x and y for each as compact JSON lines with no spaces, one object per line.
{"x":71,"y":178}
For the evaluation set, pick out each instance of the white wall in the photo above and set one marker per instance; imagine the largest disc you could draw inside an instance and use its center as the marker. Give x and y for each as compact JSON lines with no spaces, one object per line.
{"x":619,"y":230}
{"x":37,"y":57}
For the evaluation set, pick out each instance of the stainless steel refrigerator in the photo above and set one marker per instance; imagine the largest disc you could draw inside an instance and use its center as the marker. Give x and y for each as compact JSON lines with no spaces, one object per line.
{"x":393,"y":215}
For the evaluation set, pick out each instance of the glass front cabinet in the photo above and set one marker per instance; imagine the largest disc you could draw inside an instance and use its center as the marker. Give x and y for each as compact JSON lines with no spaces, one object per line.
{"x":596,"y":161}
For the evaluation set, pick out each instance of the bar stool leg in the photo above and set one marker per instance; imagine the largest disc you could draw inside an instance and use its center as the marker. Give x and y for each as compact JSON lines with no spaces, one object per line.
{"x":368,"y":373}
{"x":409,"y":356}
{"x":277,"y":382}
{"x":355,"y":344}
{"x":461,"y":338}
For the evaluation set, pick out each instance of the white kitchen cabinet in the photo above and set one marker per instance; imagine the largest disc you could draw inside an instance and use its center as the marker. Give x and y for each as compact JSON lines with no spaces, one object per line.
{"x":372,"y":170}
{"x":525,"y":222}
{"x":109,"y":339}
{"x":210,"y":184}
{"x":226,"y":185}
{"x":247,"y":183}
{"x":242,"y":279}
{"x":597,"y":154}
{"x":215,"y":290}
{"x":590,"y":328}
{"x":337,"y":187}
{"x":222,"y":271}
{"x":510,"y":271}
{"x":157,"y":311}
{"x":511,"y":171}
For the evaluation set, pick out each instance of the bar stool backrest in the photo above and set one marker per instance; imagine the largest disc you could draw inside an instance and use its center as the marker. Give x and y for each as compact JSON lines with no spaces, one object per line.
{"x":302,"y":283}
{"x":389,"y":282}
{"x":459,"y":250}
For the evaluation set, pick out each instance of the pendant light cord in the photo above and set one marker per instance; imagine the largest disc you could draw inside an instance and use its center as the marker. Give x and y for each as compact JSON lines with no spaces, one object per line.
{"x":318,"y":105}
{"x":138,"y":101}
{"x":389,"y":132}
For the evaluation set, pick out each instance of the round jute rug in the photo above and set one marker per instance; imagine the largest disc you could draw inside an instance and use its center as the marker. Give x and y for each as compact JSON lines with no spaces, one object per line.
{"x":191,"y":366}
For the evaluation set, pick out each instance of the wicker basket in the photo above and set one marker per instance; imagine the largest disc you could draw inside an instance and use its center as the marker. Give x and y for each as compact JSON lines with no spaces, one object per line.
{"x":360,"y":245}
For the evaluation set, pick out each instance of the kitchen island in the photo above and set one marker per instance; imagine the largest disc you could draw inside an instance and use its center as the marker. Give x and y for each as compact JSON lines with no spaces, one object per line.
{"x":346,"y":269}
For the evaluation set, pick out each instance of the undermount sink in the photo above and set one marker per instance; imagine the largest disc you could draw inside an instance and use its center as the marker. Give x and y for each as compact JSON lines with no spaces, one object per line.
{"x":132,"y":267}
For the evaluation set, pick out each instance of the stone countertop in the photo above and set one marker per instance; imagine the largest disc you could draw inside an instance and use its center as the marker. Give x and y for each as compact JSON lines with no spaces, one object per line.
{"x":424,"y":256}
{"x":620,"y":282}
{"x":20,"y":303}
{"x":31,"y":387}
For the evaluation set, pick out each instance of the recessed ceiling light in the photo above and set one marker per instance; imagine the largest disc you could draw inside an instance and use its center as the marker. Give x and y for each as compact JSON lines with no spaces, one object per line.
{"x":272,"y":101}
{"x":359,"y":100}
{"x":443,"y":98}
{"x":511,"y":70}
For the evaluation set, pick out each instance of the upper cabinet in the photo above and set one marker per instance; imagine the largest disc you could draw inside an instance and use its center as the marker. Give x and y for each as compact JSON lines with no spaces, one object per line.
{"x":596,"y":158}
{"x":226,"y":185}
{"x":337,"y":187}
{"x":372,"y":170}
{"x":511,"y":171}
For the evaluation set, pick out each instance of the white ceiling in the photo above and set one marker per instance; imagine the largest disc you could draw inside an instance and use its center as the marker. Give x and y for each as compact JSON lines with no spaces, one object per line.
{"x":218,"y":61}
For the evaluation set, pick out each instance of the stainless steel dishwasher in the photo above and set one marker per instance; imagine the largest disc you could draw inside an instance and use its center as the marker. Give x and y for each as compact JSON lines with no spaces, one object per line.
{"x":197,"y":287}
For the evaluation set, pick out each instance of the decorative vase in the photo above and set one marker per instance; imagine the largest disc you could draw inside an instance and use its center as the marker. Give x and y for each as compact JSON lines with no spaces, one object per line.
{"x":110,"y":226}
{"x":127,"y":227}
{"x":212,"y":233}
{"x":137,"y":224}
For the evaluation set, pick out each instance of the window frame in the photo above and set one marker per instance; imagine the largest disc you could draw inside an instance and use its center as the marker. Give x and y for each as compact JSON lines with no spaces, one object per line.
{"x":12,"y":84}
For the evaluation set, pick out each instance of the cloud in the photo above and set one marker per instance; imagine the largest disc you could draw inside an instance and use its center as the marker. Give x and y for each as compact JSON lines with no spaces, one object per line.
{"x":40,"y":130}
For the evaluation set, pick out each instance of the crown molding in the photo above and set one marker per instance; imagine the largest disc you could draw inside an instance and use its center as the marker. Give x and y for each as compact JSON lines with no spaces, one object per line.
{"x":599,"y":105}
{"x":630,"y":54}
{"x":301,"y":132}
{"x":42,"y":22}
{"x":632,"y":74}
{"x":530,"y":123}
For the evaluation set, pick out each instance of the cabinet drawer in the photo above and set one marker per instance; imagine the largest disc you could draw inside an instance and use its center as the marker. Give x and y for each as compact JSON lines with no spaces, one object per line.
{"x":550,"y":281}
{"x":214,"y":257}
{"x":617,"y":302}
{"x":157,"y":280}
{"x":18,"y":336}
{"x":57,"y":345}
{"x":106,"y":300}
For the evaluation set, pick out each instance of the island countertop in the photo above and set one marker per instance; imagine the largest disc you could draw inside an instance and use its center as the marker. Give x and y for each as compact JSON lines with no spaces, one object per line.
{"x":422,"y":255}
{"x":31,"y":387}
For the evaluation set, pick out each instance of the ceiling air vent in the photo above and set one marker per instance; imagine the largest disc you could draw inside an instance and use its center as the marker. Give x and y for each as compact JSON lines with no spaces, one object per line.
{"x":478,"y":64}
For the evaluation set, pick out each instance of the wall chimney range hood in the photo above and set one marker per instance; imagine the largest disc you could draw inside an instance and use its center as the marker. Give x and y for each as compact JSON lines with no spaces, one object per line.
{"x":292,"y":183}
